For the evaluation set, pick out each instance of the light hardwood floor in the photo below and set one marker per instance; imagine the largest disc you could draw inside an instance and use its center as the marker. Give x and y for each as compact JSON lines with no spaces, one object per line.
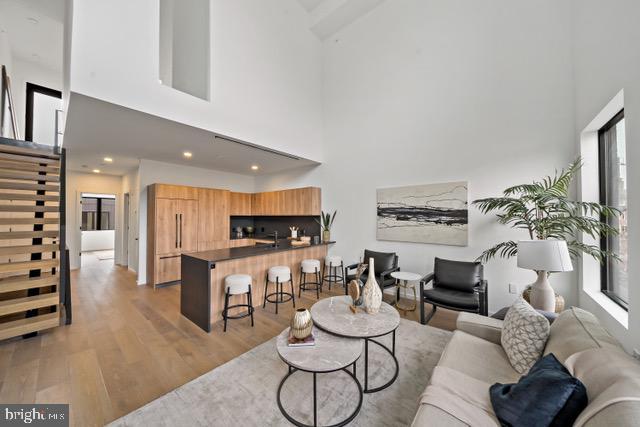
{"x":128,"y":345}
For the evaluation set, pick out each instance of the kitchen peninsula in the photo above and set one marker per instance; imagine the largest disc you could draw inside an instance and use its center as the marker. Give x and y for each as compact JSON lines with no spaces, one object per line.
{"x":202,"y":291}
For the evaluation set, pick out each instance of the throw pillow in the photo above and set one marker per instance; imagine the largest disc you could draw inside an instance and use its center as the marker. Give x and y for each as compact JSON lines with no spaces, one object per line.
{"x":547,"y":396}
{"x":524,"y":335}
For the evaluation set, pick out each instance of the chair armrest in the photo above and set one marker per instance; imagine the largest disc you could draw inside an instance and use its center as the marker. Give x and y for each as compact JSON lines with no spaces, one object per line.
{"x":388,"y":272}
{"x":481,"y":287}
{"x":428,"y":278}
{"x":487,"y":328}
{"x":354,"y":267}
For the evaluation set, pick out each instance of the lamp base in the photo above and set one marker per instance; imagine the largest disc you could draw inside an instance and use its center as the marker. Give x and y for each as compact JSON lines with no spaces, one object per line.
{"x":542,"y":295}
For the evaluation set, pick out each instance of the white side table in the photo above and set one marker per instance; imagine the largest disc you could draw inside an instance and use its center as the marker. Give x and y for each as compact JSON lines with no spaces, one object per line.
{"x":405,"y":277}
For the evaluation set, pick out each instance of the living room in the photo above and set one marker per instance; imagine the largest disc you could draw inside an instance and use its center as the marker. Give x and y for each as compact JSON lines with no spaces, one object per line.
{"x":341,"y":106}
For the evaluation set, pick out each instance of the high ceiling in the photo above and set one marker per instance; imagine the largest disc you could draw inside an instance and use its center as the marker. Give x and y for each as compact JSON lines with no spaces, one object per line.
{"x":96,"y":129}
{"x":327,"y":17}
{"x":35,"y":29}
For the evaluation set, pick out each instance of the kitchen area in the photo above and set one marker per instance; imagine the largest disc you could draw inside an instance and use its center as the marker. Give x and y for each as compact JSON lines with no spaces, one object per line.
{"x":197,"y":236}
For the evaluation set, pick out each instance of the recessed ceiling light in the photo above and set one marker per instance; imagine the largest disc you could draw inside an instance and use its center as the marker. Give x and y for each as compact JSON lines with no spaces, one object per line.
{"x":96,"y":171}
{"x":254,"y":167}
{"x":187,"y":154}
{"x":108,"y":159}
{"x":32,"y":20}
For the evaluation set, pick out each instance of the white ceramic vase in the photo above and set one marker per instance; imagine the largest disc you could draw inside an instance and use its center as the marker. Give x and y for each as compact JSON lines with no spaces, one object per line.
{"x":371,"y":293}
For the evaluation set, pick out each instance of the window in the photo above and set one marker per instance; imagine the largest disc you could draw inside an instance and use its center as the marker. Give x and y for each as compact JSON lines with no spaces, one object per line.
{"x":98,"y":213}
{"x":613,"y":192}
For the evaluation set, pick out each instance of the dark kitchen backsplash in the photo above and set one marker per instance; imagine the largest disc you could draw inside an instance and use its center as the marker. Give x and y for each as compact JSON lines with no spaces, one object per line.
{"x":266,"y":225}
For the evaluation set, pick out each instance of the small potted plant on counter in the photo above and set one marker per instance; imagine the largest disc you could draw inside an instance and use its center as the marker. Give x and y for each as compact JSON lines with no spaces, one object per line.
{"x":326,"y":221}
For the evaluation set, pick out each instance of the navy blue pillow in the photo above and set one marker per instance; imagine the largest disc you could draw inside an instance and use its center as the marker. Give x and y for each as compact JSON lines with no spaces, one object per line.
{"x":547,"y":396}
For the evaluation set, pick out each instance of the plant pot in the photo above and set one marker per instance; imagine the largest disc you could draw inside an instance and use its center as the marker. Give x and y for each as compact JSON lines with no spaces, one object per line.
{"x":326,"y":235}
{"x":301,"y":324}
{"x":371,"y":293}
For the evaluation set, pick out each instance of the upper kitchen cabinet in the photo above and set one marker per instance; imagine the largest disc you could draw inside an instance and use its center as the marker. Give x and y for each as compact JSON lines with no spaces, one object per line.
{"x":295,"y":202}
{"x":214,"y":208}
{"x":241,"y":204}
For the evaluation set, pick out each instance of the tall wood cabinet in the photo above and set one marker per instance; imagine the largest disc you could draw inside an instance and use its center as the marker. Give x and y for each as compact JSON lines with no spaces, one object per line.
{"x":214,"y":224}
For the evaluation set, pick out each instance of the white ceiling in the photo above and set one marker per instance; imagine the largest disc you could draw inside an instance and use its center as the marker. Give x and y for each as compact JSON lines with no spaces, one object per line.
{"x":35,"y":30}
{"x":96,"y":129}
{"x":327,"y":17}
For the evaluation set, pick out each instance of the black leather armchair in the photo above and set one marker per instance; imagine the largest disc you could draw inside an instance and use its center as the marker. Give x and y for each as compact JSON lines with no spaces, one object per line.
{"x":457,"y":285}
{"x":385,"y":263}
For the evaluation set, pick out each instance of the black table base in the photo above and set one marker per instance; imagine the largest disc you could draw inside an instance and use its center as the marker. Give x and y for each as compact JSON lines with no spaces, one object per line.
{"x":392,"y":353}
{"x":350,"y":418}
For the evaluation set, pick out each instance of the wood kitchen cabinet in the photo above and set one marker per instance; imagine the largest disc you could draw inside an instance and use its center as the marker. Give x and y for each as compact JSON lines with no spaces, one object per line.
{"x":241,"y":204}
{"x":214,"y":212}
{"x":295,"y":202}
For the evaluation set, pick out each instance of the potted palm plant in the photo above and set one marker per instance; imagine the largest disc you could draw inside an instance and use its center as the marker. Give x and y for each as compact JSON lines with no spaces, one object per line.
{"x":546,"y":211}
{"x":326,"y":221}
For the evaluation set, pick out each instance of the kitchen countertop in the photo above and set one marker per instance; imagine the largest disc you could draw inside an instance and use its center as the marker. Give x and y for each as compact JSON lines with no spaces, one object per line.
{"x":226,"y":254}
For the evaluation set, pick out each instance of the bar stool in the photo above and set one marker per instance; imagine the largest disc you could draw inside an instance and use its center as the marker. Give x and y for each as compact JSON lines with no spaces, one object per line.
{"x":310,"y":266}
{"x":278,"y":275}
{"x":334,"y":263}
{"x":237,"y":284}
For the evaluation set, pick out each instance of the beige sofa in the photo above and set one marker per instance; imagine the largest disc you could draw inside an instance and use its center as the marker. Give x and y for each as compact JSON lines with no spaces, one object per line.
{"x":458,"y":393}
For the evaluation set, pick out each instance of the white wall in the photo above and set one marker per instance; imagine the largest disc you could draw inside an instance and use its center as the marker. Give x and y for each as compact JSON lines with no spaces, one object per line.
{"x":606,"y":60}
{"x":78,"y":183}
{"x":97,"y":240}
{"x":427,"y":91}
{"x":152,"y":172}
{"x":265,"y":69}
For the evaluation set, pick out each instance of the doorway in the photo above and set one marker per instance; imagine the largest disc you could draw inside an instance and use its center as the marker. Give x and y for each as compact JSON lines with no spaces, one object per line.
{"x":43,"y":109}
{"x":98,"y":223}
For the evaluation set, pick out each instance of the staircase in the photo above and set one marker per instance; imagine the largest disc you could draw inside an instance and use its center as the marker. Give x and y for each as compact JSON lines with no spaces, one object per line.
{"x":34,"y":289}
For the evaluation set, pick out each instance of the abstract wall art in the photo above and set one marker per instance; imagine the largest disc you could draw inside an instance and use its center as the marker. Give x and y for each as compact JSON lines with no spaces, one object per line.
{"x":432,"y":213}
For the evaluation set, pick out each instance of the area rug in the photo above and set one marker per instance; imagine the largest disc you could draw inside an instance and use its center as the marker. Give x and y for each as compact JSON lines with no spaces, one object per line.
{"x":243,"y":391}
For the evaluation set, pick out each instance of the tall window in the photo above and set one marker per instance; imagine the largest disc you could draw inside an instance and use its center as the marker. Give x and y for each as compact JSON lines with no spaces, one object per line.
{"x":98,"y":213}
{"x":613,"y":192}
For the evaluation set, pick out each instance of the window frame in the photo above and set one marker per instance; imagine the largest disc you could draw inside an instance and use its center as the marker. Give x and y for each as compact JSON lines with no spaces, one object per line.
{"x":98,"y":212}
{"x":602,"y":181}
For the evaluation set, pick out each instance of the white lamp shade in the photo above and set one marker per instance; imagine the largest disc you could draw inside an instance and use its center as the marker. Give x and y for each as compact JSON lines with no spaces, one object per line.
{"x":547,"y":255}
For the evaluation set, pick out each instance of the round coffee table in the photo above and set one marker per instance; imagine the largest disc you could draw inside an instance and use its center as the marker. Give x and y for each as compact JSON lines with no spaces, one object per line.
{"x":334,"y":315}
{"x":405,"y":277}
{"x":330,"y":353}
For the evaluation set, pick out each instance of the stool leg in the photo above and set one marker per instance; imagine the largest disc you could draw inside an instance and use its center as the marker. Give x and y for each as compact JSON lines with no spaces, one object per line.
{"x":293,"y":293}
{"x":250,"y":298}
{"x":344,"y":278}
{"x":330,"y":273}
{"x":278,"y":293}
{"x":318,"y":285}
{"x":266,"y":289}
{"x":302,"y":275}
{"x":225,"y":314}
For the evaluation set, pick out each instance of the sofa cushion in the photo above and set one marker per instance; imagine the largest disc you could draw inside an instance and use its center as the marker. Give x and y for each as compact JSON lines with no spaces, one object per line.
{"x":483,"y":327}
{"x":478,"y":358}
{"x":429,"y":415}
{"x":458,"y":275}
{"x":524,"y":335}
{"x":547,"y":396}
{"x":576,"y":330}
{"x":612,"y":378}
{"x":453,"y":298}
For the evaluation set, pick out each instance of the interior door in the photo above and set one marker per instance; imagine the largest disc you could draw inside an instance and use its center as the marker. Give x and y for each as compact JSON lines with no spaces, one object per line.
{"x":167,"y":223}
{"x":188,"y":225}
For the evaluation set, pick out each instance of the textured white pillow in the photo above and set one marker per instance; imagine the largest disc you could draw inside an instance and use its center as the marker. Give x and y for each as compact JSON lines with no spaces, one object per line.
{"x":524,"y":335}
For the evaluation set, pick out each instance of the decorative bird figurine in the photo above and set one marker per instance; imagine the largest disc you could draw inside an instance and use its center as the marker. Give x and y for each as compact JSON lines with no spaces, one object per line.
{"x":354,"y":293}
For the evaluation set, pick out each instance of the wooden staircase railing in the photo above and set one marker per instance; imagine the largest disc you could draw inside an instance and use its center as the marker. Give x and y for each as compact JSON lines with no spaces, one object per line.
{"x":34,"y":262}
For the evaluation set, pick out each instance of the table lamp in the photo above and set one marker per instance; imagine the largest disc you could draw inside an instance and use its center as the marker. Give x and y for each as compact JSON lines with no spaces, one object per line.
{"x":544,"y":256}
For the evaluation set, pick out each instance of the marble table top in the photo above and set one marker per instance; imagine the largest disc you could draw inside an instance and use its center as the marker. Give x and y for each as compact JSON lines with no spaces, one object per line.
{"x":406,"y":275}
{"x":334,"y":315}
{"x":330,"y":353}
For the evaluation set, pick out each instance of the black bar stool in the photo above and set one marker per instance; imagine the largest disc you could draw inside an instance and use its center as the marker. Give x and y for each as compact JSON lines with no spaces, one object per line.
{"x":335,"y":265}
{"x":237,"y":284}
{"x":310,"y":266}
{"x":278,"y":275}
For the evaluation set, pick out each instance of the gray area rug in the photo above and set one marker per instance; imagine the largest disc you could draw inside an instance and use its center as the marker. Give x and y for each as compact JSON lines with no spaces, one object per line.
{"x":243,"y":391}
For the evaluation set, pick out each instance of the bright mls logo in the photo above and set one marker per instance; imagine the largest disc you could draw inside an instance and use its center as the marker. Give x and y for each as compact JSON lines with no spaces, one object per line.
{"x":34,"y":415}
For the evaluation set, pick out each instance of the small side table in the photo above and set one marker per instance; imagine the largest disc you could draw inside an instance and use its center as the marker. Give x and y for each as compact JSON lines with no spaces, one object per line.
{"x":404,"y":277}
